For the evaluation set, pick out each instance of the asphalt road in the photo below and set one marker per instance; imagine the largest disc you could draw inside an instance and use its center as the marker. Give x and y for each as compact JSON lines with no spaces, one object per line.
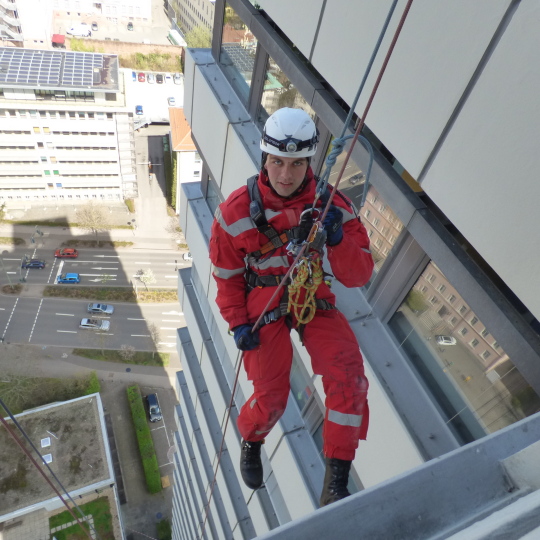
{"x":95,"y":267}
{"x":55,"y":321}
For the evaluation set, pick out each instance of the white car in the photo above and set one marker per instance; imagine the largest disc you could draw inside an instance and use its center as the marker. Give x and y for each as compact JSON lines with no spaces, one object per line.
{"x":446,"y":340}
{"x":171,"y":101}
{"x":178,"y":78}
{"x":80,"y":30}
{"x":95,"y":324}
{"x":151,"y":78}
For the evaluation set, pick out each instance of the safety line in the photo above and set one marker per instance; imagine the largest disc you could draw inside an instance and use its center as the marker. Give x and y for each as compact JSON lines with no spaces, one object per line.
{"x":315,"y":226}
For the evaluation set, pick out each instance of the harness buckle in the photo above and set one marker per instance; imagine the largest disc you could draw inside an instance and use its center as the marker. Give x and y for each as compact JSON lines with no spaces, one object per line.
{"x":270,"y":317}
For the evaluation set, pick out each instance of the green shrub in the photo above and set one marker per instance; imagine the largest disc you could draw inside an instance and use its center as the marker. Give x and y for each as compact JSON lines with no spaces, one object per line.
{"x":130,"y":203}
{"x":144,"y":438}
{"x":164,"y":531}
{"x":93,"y":385}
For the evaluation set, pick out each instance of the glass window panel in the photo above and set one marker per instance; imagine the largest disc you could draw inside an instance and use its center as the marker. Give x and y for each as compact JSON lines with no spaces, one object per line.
{"x":237,"y":56}
{"x":476,"y":385}
{"x":279,"y":92}
{"x":212,"y":196}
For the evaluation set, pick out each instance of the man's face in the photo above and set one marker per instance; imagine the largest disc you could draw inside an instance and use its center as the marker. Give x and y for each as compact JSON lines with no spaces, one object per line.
{"x":286,"y":174}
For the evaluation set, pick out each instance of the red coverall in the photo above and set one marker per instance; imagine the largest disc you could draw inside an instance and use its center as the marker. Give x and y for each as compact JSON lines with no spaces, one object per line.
{"x":328,"y":338}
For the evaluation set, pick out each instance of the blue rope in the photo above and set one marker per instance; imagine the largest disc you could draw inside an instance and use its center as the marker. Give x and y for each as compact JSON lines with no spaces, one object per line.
{"x":339,"y":142}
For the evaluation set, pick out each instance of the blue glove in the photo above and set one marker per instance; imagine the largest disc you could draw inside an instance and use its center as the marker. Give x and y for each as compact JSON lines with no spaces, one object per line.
{"x":244,"y":339}
{"x":333,"y":225}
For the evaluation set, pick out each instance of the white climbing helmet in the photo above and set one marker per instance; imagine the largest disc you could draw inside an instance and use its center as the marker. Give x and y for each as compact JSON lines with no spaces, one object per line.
{"x":290,"y":133}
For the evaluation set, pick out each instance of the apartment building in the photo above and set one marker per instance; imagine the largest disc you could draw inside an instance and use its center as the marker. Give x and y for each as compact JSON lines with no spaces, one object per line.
{"x":448,"y":324}
{"x":189,"y":14}
{"x":71,"y":438}
{"x":65,"y":132}
{"x":25,"y":24}
{"x":114,"y":10}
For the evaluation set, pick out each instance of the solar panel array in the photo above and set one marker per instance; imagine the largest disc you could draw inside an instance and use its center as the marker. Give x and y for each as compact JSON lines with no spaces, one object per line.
{"x":243,"y":59}
{"x":19,"y":66}
{"x":79,"y":68}
{"x":48,"y":68}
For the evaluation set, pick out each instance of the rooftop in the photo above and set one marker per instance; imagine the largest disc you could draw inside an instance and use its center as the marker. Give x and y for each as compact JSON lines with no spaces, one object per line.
{"x":58,"y":70}
{"x":181,"y":131}
{"x":68,"y":436}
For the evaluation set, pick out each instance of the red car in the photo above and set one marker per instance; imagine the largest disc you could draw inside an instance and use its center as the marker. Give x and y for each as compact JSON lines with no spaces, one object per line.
{"x":66,"y":253}
{"x":142,"y":78}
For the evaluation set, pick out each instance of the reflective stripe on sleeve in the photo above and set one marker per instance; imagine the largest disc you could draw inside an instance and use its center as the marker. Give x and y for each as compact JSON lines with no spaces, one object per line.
{"x":354,"y":420}
{"x":236,"y":228}
{"x":224,"y":273}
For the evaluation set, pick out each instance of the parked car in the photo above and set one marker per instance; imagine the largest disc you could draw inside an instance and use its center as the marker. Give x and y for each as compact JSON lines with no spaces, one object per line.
{"x":168,"y":78}
{"x":106,"y":309}
{"x":159,"y":78}
{"x":177,"y":78}
{"x":68,"y":278}
{"x":94,"y":26}
{"x":446,"y":340}
{"x":187,"y":256}
{"x":134,"y":76}
{"x":142,"y":77}
{"x":66,"y":253}
{"x":154,"y":410}
{"x":138,"y":109}
{"x":171,"y":101}
{"x":80,"y":30}
{"x":33,"y":263}
{"x":130,"y":26}
{"x":95,"y":324}
{"x":151,"y":78}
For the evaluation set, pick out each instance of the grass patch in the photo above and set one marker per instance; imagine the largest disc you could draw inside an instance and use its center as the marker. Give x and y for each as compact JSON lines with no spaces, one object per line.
{"x":170,"y":162}
{"x":111,"y":294}
{"x":164,"y":530}
{"x":12,"y":289}
{"x":130,"y":203}
{"x":143,"y":358}
{"x":21,"y":393}
{"x":144,"y":438}
{"x":97,"y":243}
{"x":152,"y":62}
{"x":99,"y":509}
{"x":7,"y":240}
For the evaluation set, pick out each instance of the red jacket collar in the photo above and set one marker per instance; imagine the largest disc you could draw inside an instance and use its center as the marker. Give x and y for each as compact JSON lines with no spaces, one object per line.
{"x":272,"y":200}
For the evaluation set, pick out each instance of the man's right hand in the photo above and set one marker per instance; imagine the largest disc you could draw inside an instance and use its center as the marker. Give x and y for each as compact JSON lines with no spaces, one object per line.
{"x":243,"y":337}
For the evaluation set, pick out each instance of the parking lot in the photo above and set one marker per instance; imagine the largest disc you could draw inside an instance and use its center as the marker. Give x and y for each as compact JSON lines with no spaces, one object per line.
{"x":152,"y":96}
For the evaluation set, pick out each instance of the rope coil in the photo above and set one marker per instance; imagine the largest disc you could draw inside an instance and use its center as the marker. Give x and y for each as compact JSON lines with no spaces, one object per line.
{"x":308,"y":278}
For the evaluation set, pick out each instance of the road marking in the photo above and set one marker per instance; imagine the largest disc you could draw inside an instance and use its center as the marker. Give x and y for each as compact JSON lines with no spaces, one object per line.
{"x":9,"y":320}
{"x":35,"y":321}
{"x":67,"y":331}
{"x":11,"y":272}
{"x":98,"y":275}
{"x":165,"y":464}
{"x":2,"y":309}
{"x":140,"y":335}
{"x":135,"y":319}
{"x":108,"y":256}
{"x":172,"y":313}
{"x":166,"y":344}
{"x":173,"y":277}
{"x":170,"y":320}
{"x":12,"y":259}
{"x":101,"y":268}
{"x":66,"y":314}
{"x":101,"y":279}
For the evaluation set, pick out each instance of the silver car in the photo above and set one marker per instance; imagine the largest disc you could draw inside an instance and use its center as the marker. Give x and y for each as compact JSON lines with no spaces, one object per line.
{"x":95,"y":324}
{"x":107,"y":309}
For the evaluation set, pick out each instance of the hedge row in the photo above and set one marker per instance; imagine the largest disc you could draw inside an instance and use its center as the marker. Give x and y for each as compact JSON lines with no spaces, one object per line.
{"x":144,"y":438}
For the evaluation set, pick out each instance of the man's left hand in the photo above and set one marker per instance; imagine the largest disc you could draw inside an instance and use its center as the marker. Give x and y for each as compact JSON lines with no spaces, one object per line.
{"x":333,"y":224}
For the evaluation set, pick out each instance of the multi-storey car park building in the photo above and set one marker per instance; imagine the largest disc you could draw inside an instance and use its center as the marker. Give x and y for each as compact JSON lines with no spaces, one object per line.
{"x":65,"y":132}
{"x":448,"y":324}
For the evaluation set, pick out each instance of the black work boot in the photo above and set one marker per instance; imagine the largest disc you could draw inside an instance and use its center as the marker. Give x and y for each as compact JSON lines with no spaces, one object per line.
{"x":251,"y":465}
{"x":335,"y":481}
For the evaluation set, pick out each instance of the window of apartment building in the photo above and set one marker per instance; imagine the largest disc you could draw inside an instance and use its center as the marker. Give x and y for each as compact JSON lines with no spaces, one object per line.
{"x":40,"y":145}
{"x":279,"y":92}
{"x":37,"y":129}
{"x":91,"y":115}
{"x":47,"y":130}
{"x":476,"y":394}
{"x":237,"y":55}
{"x":33,"y":114}
{"x":44,"y":159}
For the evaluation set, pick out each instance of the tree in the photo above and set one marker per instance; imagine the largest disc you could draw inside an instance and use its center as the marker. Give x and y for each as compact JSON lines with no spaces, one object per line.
{"x":127,"y":352}
{"x":175,"y":231}
{"x":153,"y":330}
{"x":199,"y":37}
{"x":91,"y":218}
{"x":2,"y":212}
{"x":146,"y":276}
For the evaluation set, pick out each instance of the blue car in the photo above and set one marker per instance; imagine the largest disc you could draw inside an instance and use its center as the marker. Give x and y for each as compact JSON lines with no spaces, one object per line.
{"x":68,"y":278}
{"x":134,"y":76}
{"x":138,"y":109}
{"x":33,"y":263}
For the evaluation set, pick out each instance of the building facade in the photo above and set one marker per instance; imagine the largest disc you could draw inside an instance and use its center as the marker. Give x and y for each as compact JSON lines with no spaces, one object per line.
{"x":65,"y":132}
{"x":113,"y":10}
{"x":448,"y":324}
{"x":24,"y":23}
{"x":188,"y":15}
